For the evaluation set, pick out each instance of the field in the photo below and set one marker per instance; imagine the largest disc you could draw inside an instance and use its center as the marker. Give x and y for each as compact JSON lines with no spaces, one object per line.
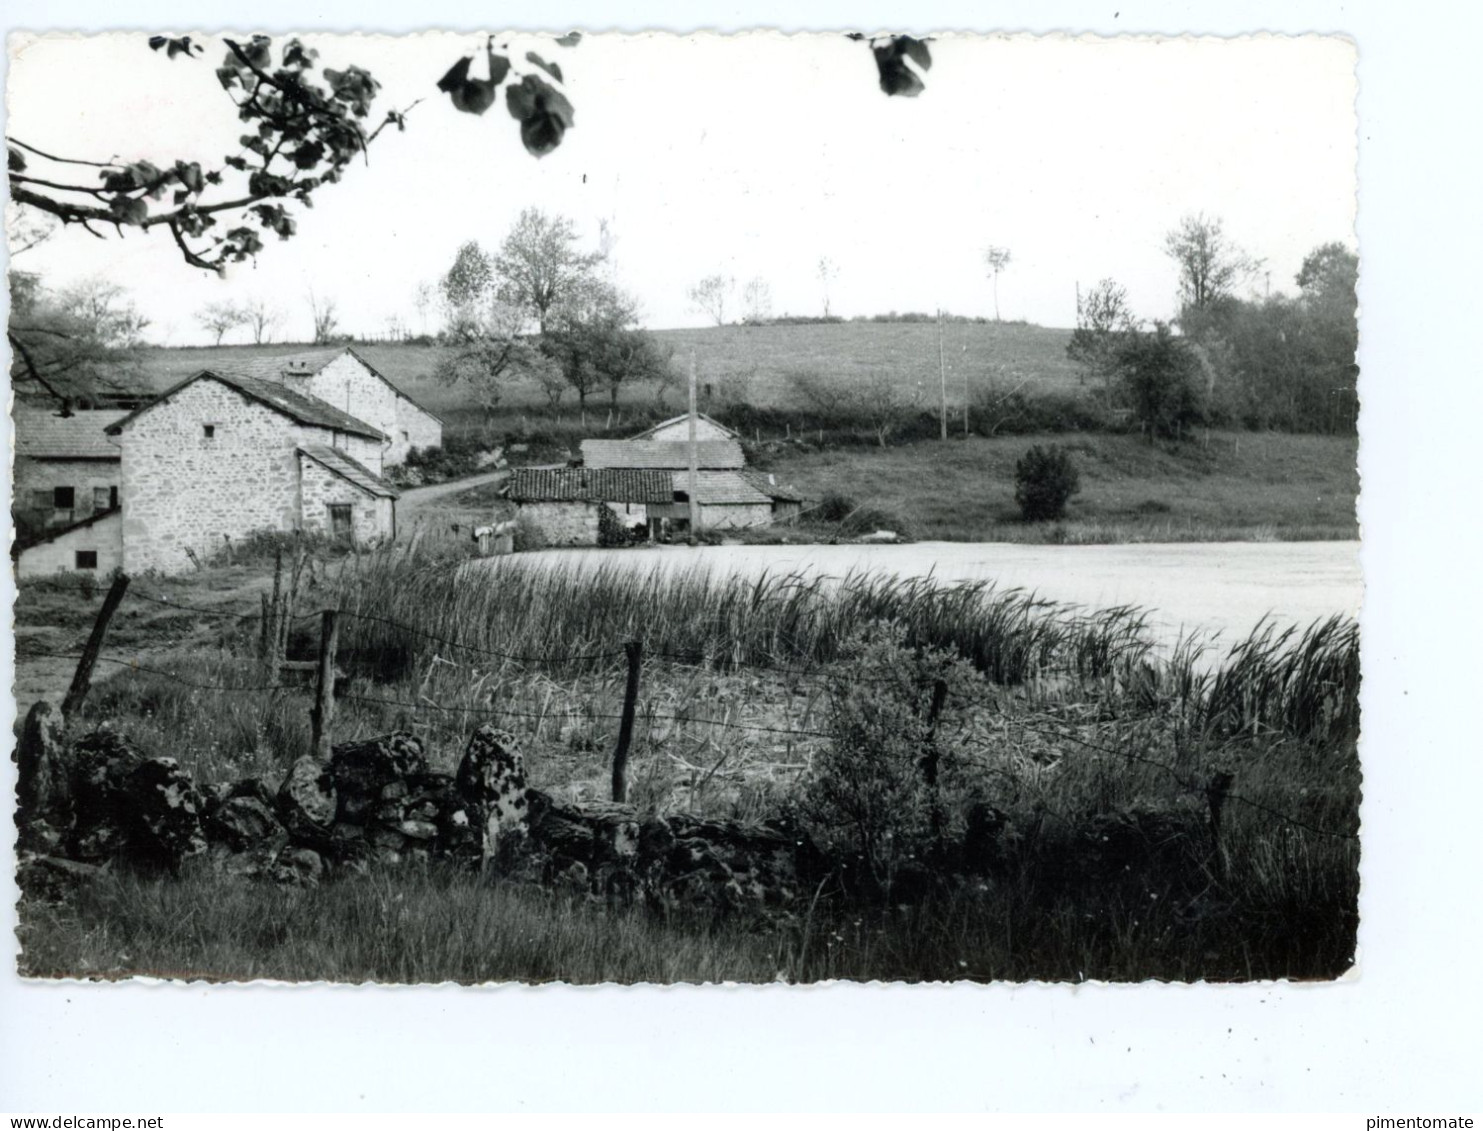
{"x":1235,"y":487}
{"x":1069,"y":831}
{"x":746,"y":363}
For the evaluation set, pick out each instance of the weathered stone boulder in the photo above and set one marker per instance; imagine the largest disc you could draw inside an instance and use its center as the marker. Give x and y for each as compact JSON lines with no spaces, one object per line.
{"x":101,"y":763}
{"x":491,"y":783}
{"x":245,"y":819}
{"x":363,"y":770}
{"x":164,"y":822}
{"x":43,"y":789}
{"x":306,"y":802}
{"x":297,"y":866}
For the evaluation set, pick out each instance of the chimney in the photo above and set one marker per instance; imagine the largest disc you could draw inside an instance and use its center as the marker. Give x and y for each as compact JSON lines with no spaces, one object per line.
{"x":296,"y":374}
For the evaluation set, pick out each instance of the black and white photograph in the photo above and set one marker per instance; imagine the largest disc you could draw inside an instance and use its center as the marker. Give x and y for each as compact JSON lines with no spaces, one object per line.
{"x":651,"y":508}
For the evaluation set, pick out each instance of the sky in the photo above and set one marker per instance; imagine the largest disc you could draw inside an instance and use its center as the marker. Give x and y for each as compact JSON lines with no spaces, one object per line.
{"x":751,"y":155}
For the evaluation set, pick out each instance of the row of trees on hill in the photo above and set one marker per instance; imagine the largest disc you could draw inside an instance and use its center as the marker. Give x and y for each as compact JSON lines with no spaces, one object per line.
{"x":1276,"y":361}
{"x":540,"y":308}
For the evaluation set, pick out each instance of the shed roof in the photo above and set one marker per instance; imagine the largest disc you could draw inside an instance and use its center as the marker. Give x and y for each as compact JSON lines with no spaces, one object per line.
{"x":768,"y":485}
{"x":665,"y":455}
{"x":711,"y":420}
{"x":51,"y":535}
{"x":589,"y":484}
{"x":720,"y":488}
{"x":41,"y":434}
{"x":349,"y":469}
{"x":305,"y":410}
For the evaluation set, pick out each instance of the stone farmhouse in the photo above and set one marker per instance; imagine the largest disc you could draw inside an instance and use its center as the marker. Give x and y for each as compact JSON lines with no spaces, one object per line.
{"x":66,"y":468}
{"x":219,"y":456}
{"x":342,"y":378}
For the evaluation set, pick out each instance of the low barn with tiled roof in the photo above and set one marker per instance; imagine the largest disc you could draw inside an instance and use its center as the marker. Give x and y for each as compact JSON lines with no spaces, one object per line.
{"x":564,"y":503}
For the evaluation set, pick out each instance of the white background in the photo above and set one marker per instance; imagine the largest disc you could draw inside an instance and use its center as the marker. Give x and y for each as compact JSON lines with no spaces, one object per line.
{"x":1399,"y":1036}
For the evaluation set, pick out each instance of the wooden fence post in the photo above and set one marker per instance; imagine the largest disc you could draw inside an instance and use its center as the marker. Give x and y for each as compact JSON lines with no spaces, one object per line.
{"x":82,"y":678}
{"x":1215,"y":794}
{"x":322,"y":714}
{"x":634,"y":650}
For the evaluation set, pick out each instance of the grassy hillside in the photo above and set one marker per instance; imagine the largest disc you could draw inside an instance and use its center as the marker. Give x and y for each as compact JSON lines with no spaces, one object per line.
{"x":1238,"y":487}
{"x":747,"y":363}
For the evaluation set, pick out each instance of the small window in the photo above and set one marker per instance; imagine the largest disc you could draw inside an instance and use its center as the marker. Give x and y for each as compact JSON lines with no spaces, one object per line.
{"x":63,"y":498}
{"x":340,"y":520}
{"x":209,"y":431}
{"x":406,"y":436}
{"x":101,"y":498}
{"x":87,"y":559}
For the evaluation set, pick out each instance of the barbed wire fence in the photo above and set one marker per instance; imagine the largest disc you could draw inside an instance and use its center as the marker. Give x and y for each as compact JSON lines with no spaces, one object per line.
{"x":326,"y":687}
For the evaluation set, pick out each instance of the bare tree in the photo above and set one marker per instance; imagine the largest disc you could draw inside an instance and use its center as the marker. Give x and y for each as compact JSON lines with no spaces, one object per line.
{"x":757,"y":301}
{"x":827,"y":272}
{"x":219,"y":318}
{"x":1104,"y":321}
{"x":996,"y":259}
{"x":878,"y":399}
{"x":710,"y":296}
{"x":490,"y":351}
{"x":326,"y":319}
{"x":262,"y":318}
{"x":539,"y":265}
{"x":1211,"y":267}
{"x":422,"y":299}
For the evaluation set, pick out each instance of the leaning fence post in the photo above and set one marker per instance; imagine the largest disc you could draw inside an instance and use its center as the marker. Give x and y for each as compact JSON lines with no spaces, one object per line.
{"x":322,"y":714}
{"x":82,"y":678}
{"x":634,"y":651}
{"x":1216,"y":793}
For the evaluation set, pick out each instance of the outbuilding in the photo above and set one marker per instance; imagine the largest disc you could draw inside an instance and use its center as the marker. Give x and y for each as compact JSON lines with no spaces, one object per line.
{"x":564,"y":503}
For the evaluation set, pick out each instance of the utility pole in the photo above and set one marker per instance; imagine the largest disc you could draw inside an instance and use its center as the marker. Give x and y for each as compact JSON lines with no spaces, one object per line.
{"x":942,"y":372}
{"x":694,"y":459}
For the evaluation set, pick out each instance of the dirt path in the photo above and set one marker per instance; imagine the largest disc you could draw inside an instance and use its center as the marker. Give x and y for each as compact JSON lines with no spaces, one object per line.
{"x":416,"y":501}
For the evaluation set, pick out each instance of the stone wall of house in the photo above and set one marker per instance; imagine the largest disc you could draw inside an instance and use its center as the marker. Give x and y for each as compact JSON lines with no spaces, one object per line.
{"x":349,"y":386}
{"x":37,"y":479}
{"x":371,"y":515}
{"x":630,"y":514}
{"x":104,"y":538}
{"x":564,"y":524}
{"x":414,"y":428}
{"x":734,"y":516}
{"x":365,"y":451}
{"x":183,"y":490}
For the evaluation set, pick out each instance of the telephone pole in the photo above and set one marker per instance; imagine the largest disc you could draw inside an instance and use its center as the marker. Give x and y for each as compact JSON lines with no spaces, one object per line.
{"x":942,"y":372}
{"x":694,"y":459}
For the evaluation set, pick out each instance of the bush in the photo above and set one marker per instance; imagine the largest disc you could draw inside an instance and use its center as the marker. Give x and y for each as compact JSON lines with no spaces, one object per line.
{"x":528,"y":535}
{"x":880,"y":793}
{"x":834,"y":507}
{"x":1044,"y":480}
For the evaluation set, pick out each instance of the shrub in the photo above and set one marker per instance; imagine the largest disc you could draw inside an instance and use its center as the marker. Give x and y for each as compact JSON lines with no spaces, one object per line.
{"x":610,"y":531}
{"x":529,"y":535}
{"x":1044,"y":479}
{"x":881,"y":793}
{"x":835,"y":507}
{"x":868,"y":519}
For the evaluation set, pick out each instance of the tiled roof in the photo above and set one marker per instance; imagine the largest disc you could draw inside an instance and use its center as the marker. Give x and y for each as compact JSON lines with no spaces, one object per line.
{"x":587,"y":484}
{"x":718,"y":488}
{"x":711,"y":420}
{"x":306,"y":410}
{"x":271,"y":368}
{"x":349,"y":469}
{"x":42,"y":434}
{"x":668,"y":455}
{"x":765,"y":483}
